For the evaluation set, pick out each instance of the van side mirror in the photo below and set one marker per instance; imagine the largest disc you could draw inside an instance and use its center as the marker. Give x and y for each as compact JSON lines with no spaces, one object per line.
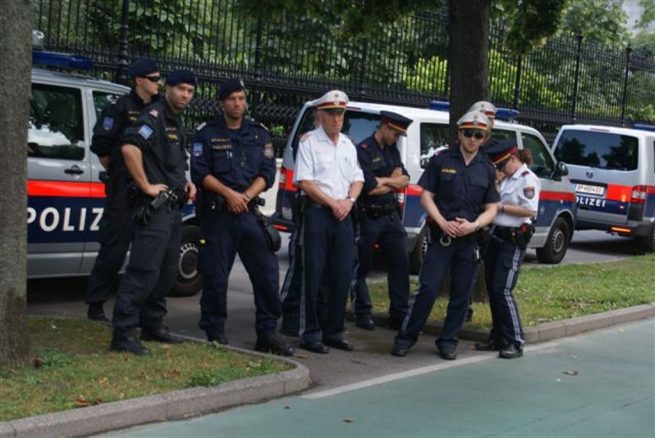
{"x":560,"y":171}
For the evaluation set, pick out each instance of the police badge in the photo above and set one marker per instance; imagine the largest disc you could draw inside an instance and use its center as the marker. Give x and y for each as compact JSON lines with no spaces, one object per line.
{"x":528,"y":192}
{"x":197,"y":149}
{"x":107,"y":123}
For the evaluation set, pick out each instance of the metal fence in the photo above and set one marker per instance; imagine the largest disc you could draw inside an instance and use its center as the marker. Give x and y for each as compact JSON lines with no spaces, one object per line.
{"x":289,"y":60}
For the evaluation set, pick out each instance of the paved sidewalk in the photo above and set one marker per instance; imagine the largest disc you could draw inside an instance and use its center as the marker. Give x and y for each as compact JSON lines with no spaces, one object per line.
{"x":594,"y":385}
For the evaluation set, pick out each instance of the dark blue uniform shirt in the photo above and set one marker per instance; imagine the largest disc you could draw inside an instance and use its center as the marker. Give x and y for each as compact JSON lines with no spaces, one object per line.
{"x":159,"y":134}
{"x":377,"y":161}
{"x":460,"y":190}
{"x":234,"y":157}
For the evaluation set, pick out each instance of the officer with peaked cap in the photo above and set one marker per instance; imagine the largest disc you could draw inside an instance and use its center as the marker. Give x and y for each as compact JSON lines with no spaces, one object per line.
{"x":510,"y":235}
{"x":329,"y":176}
{"x":155,"y":155}
{"x":380,"y":219}
{"x":115,"y":229}
{"x":459,"y":196}
{"x":233,"y":161}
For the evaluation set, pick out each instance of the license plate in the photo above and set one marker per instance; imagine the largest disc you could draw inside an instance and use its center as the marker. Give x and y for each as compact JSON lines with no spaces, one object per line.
{"x":590,"y":190}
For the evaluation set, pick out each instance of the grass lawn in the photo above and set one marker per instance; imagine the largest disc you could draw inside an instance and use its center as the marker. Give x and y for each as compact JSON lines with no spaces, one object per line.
{"x":551,"y":293}
{"x":73,"y":368}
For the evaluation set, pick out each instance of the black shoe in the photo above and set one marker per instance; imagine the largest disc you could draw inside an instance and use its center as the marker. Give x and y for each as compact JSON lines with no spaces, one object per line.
{"x":469,"y":314}
{"x":510,"y":352}
{"x":365,"y":322}
{"x":129,"y":345}
{"x":447,"y":354}
{"x":274,"y":344}
{"x":490,"y":345}
{"x":96,"y":313}
{"x":340,"y":344}
{"x":161,"y":335}
{"x":399,"y":351}
{"x":315,"y":347}
{"x":217,"y":337}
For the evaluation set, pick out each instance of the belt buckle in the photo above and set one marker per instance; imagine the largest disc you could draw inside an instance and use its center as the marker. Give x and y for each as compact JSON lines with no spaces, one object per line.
{"x":445,"y":240}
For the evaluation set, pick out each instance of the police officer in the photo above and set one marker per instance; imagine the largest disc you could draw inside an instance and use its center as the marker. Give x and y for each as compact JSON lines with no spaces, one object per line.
{"x":233,"y":161}
{"x":510,"y":234}
{"x":155,"y":156}
{"x":329,"y":175}
{"x":459,"y":196}
{"x":115,"y":229}
{"x":380,"y":219}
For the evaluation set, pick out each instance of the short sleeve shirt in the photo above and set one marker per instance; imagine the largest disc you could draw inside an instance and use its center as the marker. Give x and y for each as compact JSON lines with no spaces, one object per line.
{"x":522,"y":188}
{"x":332,"y":167}
{"x":460,"y":190}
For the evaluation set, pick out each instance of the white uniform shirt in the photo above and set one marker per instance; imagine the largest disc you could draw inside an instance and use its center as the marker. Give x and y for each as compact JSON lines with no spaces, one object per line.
{"x":521,"y":188}
{"x":331,"y":167}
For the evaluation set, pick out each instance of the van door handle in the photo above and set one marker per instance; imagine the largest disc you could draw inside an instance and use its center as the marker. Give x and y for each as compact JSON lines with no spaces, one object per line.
{"x":75,"y":170}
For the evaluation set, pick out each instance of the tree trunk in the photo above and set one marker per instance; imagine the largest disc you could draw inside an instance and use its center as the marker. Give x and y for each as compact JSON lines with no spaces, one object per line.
{"x":15,"y":74}
{"x":468,"y":29}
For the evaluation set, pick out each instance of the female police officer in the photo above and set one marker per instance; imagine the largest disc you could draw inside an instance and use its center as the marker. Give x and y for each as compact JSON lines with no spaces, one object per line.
{"x":511,"y":231}
{"x":459,"y":196}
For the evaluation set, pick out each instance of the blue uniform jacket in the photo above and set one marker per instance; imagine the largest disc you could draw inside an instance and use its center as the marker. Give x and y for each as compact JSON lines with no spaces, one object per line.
{"x":460,"y":190}
{"x":377,"y":162}
{"x":235,"y":158}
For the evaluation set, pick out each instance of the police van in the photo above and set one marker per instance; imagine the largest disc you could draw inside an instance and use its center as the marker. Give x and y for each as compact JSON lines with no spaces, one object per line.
{"x":65,"y":194}
{"x":613,"y":173}
{"x":427,"y":134}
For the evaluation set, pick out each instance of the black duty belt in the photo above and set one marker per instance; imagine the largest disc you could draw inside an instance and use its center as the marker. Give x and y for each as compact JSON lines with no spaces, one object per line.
{"x":312,"y":204}
{"x":377,"y":210}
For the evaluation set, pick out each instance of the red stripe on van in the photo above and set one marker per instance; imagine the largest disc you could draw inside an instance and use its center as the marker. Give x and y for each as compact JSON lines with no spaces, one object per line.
{"x":414,"y":190}
{"x":547,"y":195}
{"x":65,"y":189}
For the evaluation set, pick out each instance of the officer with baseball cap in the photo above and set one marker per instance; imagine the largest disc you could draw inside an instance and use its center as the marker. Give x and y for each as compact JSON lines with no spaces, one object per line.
{"x":115,"y":230}
{"x":233,"y":161}
{"x":380,"y":219}
{"x":155,"y":155}
{"x":459,"y":196}
{"x":329,"y":176}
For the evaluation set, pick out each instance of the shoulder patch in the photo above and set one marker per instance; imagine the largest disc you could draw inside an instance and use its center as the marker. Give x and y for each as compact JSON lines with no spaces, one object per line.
{"x":529,"y":192}
{"x":145,"y":131}
{"x":154,"y":113}
{"x":108,"y":123}
{"x":200,"y":126}
{"x":197,"y":149}
{"x":269,"y":151}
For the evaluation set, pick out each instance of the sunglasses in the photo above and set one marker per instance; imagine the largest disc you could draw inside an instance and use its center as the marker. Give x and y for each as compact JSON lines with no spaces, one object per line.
{"x":477,"y":134}
{"x":152,"y":78}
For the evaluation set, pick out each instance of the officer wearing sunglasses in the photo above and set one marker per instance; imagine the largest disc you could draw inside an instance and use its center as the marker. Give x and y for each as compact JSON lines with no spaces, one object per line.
{"x":459,"y":196}
{"x":116,"y":224}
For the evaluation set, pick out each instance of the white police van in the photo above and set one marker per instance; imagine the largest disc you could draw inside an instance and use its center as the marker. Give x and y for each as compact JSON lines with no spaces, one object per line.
{"x":613,"y":173}
{"x":65,"y":194}
{"x":429,"y":132}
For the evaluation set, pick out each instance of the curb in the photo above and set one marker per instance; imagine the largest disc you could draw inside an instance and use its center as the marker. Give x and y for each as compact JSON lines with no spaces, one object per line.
{"x":175,"y":405}
{"x":549,"y":330}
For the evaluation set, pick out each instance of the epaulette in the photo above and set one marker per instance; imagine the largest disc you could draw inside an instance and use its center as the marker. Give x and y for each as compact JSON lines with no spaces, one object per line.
{"x":200,"y":126}
{"x":304,"y":136}
{"x":153,"y":112}
{"x":525,"y":172}
{"x":263,"y":126}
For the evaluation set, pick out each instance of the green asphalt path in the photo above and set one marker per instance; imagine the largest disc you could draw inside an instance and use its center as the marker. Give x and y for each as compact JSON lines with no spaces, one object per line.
{"x":595,"y":385}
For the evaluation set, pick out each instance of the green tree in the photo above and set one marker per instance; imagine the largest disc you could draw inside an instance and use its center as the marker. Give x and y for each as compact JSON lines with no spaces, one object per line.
{"x":15,"y":44}
{"x":598,"y":21}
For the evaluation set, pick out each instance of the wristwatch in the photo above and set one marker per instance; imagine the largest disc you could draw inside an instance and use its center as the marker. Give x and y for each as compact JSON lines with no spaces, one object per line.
{"x":351,"y":199}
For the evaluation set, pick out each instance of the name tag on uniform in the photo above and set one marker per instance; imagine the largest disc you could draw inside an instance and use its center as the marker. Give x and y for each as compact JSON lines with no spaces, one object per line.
{"x":376,"y":160}
{"x":448,"y":170}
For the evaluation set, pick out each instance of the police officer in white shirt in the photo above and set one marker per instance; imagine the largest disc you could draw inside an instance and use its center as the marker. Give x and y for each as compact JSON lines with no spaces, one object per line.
{"x":329,"y":175}
{"x":510,"y":234}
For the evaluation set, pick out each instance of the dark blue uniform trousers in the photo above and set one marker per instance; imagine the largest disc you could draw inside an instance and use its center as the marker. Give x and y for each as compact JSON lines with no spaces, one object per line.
{"x":150,"y":274}
{"x":227,"y":234}
{"x":502,"y":263}
{"x":114,"y":236}
{"x":389,"y":232}
{"x":328,"y":248}
{"x":460,"y":259}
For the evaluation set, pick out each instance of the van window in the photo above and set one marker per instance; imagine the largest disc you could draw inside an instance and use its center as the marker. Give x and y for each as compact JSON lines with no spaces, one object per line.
{"x":433,"y":137}
{"x":603,"y":150}
{"x":502,"y":134}
{"x":542,"y":163}
{"x":101,"y":99}
{"x":56,"y":127}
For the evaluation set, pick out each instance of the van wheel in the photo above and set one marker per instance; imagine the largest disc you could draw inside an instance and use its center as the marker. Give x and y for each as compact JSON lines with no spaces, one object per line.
{"x":556,"y":244}
{"x":421,"y":247}
{"x":189,"y":281}
{"x":647,"y":243}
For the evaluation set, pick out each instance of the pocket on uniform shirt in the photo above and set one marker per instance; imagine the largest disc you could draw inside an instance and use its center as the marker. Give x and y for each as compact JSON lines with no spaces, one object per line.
{"x":478,"y":188}
{"x":222,"y":161}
